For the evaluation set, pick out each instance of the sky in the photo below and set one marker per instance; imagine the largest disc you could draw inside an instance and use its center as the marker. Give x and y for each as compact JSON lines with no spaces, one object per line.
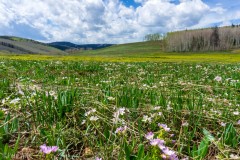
{"x":110,"y":21}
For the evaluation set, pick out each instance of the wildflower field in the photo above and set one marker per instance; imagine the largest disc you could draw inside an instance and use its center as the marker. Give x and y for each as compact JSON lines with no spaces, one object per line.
{"x":52,"y":109}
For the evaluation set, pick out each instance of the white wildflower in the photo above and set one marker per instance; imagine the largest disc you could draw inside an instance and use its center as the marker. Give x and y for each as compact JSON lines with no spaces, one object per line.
{"x":93,"y":118}
{"x":15,"y":101}
{"x":146,"y":119}
{"x":218,"y":78}
{"x":223,"y":124}
{"x":185,"y":124}
{"x":236,"y":113}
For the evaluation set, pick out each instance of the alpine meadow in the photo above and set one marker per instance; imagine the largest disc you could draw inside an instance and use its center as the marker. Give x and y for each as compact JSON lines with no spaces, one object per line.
{"x":119,"y":80}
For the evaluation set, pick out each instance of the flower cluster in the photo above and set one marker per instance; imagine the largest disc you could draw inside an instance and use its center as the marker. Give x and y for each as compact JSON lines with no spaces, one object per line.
{"x":118,"y":113}
{"x":167,"y":153}
{"x":92,"y":118}
{"x":48,"y":149}
{"x":89,"y":112}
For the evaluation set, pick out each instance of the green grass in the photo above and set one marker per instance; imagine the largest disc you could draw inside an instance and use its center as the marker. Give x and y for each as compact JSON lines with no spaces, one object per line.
{"x":82,"y":103}
{"x":69,"y":103}
{"x":225,"y":57}
{"x":130,"y":49}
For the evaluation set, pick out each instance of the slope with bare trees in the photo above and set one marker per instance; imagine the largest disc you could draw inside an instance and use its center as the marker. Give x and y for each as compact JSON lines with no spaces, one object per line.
{"x":209,"y":39}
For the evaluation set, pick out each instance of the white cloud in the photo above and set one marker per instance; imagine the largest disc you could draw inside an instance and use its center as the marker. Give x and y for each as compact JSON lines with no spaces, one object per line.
{"x":106,"y":21}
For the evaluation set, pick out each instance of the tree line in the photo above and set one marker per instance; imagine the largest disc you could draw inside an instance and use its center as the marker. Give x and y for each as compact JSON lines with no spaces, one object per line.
{"x":210,"y":39}
{"x":154,"y":37}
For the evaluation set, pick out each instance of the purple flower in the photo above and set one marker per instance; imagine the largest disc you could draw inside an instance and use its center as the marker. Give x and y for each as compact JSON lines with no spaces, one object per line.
{"x":54,"y":148}
{"x":97,"y":158}
{"x":164,"y":126}
{"x":164,"y":156}
{"x":172,"y":135}
{"x":121,"y":129}
{"x":238,"y":122}
{"x":158,"y":142}
{"x":149,"y":135}
{"x":173,"y":157}
{"x":48,"y":149}
{"x":161,"y":146}
{"x":167,"y":151}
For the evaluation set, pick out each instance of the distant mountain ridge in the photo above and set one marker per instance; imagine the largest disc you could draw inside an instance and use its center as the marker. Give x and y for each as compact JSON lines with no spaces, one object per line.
{"x":68,"y":46}
{"x":18,"y":45}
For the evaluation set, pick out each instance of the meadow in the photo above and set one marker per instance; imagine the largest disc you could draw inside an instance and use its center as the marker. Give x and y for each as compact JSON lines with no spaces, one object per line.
{"x":91,"y":107}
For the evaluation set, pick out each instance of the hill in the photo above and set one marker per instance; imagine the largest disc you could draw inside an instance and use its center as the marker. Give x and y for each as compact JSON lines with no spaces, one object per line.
{"x":18,"y":45}
{"x":129,"y":49}
{"x":68,"y":46}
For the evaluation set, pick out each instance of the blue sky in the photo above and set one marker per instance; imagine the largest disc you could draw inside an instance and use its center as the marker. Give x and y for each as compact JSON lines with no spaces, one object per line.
{"x":110,"y":21}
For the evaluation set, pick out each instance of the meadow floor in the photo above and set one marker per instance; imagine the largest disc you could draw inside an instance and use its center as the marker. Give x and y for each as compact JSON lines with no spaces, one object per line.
{"x":151,"y":108}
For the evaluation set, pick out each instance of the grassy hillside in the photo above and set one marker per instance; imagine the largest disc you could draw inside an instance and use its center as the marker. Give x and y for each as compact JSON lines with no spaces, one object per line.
{"x":130,"y":49}
{"x":25,"y":46}
{"x":70,"y":47}
{"x":144,"y":49}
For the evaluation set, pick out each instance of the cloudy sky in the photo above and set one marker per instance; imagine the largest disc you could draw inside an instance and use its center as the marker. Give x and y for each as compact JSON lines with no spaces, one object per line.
{"x":110,"y":21}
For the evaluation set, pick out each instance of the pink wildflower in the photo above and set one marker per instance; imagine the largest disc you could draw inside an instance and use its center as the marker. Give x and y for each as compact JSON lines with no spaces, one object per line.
{"x":121,"y":129}
{"x":155,"y":142}
{"x":149,"y":135}
{"x":238,"y":122}
{"x":164,"y":126}
{"x":48,"y":149}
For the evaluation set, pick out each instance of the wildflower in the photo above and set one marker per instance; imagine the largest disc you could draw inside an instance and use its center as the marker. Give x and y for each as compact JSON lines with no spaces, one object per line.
{"x":54,"y":148}
{"x":167,"y":151}
{"x":120,"y":111}
{"x":89,"y":112}
{"x":97,"y":158}
{"x":146,"y":119}
{"x":158,"y":142}
{"x":153,"y":115}
{"x":171,"y":135}
{"x":156,"y":108}
{"x":172,"y":155}
{"x":164,"y":156}
{"x":223,"y":124}
{"x":218,"y":78}
{"x":232,"y":156}
{"x":164,"y":126}
{"x":14,"y":101}
{"x":93,"y":118}
{"x":149,"y":135}
{"x":121,"y":129}
{"x":236,"y":113}
{"x":48,"y":149}
{"x":83,"y":122}
{"x":238,"y":122}
{"x":185,"y":124}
